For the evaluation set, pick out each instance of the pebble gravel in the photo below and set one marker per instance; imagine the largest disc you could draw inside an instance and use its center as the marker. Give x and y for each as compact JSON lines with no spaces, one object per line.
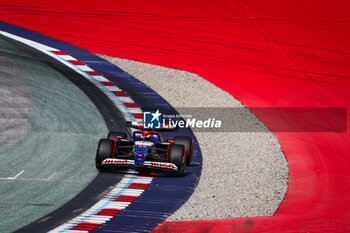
{"x":244,"y":174}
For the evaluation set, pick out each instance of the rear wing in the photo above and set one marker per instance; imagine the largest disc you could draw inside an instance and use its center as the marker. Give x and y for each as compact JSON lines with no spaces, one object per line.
{"x":139,"y":125}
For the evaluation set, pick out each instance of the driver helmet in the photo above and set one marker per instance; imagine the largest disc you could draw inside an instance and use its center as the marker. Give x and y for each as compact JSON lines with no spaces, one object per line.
{"x":153,"y":137}
{"x":138,"y":136}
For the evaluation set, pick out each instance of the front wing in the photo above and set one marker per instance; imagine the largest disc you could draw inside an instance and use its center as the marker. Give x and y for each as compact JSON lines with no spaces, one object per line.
{"x":146,"y":164}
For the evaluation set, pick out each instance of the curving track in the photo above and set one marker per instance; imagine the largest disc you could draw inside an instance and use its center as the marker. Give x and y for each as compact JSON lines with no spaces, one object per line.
{"x":58,"y":122}
{"x":268,"y":54}
{"x":163,"y":195}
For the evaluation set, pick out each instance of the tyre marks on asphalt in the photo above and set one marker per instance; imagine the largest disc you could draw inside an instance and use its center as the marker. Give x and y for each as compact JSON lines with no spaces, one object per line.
{"x":125,"y":192}
{"x":64,"y":127}
{"x":15,"y":103}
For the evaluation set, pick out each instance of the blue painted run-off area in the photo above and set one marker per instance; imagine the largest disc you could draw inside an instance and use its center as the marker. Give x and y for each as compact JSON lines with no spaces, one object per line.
{"x":165,"y":194}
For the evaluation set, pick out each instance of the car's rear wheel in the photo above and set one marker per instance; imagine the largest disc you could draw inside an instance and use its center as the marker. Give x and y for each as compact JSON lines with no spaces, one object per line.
{"x":116,"y":135}
{"x":104,"y":151}
{"x":177,"y":157}
{"x":187,"y":142}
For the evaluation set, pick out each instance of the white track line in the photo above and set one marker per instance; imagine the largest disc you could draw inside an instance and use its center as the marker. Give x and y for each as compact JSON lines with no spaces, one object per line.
{"x":131,"y":186}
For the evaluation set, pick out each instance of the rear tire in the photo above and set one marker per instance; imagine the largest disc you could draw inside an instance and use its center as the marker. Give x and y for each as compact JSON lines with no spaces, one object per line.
{"x":104,"y":151}
{"x":188,"y":144}
{"x":116,"y":134}
{"x":177,"y":157}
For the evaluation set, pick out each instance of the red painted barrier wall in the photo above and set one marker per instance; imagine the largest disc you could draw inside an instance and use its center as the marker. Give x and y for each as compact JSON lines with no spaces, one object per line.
{"x":265,"y":53}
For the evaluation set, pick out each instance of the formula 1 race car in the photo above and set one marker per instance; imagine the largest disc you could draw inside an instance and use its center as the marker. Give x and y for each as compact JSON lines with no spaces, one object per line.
{"x":145,"y":149}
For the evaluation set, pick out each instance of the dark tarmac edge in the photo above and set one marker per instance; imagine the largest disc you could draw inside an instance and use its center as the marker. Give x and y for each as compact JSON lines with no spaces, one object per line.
{"x":103,"y":182}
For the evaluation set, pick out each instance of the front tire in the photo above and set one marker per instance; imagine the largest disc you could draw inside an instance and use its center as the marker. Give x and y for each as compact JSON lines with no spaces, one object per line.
{"x":177,"y":156}
{"x":104,"y":151}
{"x":188,"y":144}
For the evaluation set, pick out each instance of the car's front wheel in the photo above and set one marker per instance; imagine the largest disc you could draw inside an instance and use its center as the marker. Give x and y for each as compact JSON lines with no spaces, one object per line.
{"x":104,"y":151}
{"x":187,"y":142}
{"x":177,"y":156}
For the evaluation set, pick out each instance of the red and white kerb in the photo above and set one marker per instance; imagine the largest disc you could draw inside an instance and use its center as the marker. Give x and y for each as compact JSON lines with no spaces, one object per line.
{"x":108,"y":87}
{"x":130,"y":110}
{"x":120,"y":197}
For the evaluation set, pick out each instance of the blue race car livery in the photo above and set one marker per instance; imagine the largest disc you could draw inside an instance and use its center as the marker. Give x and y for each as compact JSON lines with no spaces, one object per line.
{"x":140,"y":148}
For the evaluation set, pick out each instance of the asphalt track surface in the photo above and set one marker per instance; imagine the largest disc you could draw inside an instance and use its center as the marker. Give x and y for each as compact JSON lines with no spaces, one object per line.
{"x":45,"y":163}
{"x":266,"y":54}
{"x":62,"y":128}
